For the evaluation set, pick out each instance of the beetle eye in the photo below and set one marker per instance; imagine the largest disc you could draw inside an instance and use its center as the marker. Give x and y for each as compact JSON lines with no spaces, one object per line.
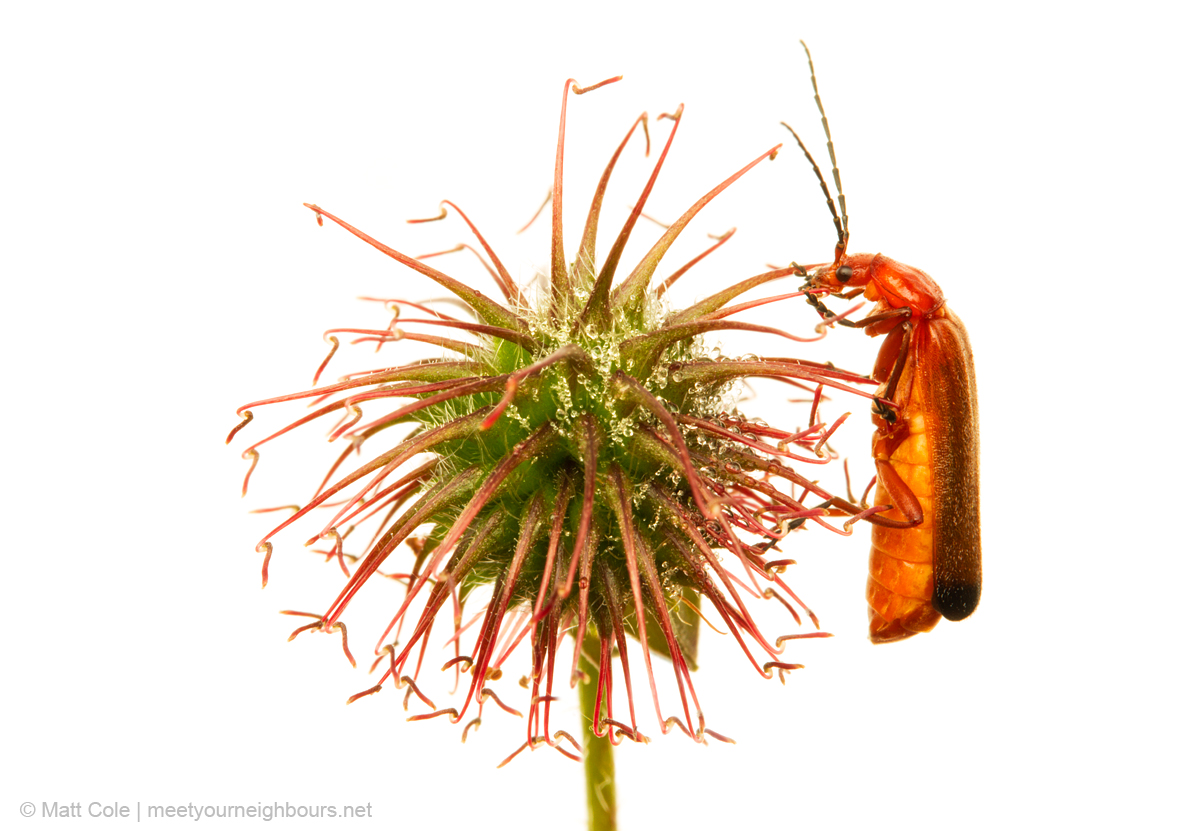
{"x":844,"y":273}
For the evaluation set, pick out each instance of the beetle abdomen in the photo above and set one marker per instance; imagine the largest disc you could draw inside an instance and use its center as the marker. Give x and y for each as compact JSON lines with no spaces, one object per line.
{"x":900,"y":580}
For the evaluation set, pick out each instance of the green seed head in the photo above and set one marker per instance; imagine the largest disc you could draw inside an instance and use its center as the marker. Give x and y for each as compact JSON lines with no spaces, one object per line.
{"x":576,"y":458}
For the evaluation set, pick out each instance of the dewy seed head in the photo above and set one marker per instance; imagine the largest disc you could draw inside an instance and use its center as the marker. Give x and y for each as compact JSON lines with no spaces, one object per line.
{"x":569,"y":454}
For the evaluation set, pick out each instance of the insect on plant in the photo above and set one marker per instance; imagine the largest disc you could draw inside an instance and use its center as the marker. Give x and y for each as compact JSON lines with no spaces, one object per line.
{"x":925,"y":547}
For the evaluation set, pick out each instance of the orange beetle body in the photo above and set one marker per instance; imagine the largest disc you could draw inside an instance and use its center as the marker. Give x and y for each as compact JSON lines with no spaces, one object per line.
{"x":926,"y":558}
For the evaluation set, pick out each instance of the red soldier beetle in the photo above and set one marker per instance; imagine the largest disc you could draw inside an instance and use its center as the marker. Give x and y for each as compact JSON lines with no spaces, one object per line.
{"x":926,"y":560}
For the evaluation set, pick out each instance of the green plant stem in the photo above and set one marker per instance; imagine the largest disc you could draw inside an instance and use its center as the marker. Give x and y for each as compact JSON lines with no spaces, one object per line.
{"x":599,"y":770}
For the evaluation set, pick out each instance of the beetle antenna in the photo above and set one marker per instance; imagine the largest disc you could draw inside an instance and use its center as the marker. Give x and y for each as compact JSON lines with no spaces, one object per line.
{"x":840,"y":249}
{"x":841,"y":223}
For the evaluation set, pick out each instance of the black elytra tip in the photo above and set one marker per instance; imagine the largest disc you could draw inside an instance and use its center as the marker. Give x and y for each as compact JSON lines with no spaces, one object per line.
{"x":956,"y":600}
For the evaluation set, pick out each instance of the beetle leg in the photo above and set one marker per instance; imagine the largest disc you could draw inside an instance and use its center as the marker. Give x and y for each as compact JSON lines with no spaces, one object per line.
{"x":878,"y":408}
{"x":833,"y":502}
{"x":815,"y":302}
{"x":851,"y":509}
{"x":902,"y":497}
{"x":903,"y":311}
{"x":901,"y":362}
{"x":807,"y":285}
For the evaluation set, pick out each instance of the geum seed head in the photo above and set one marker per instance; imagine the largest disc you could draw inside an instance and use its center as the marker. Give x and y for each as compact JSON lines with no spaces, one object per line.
{"x":573,"y":453}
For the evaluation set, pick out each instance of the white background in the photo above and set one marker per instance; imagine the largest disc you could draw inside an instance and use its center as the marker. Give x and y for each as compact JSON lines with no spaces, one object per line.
{"x":159,"y":271}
